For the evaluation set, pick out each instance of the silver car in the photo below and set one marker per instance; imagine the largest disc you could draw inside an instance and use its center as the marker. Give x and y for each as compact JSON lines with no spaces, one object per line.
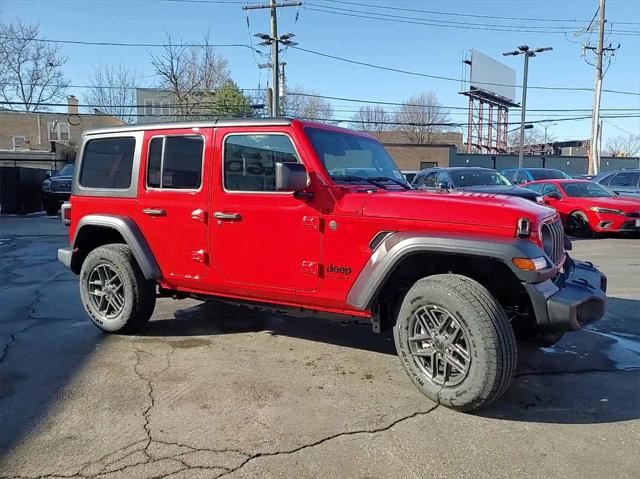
{"x":622,"y":182}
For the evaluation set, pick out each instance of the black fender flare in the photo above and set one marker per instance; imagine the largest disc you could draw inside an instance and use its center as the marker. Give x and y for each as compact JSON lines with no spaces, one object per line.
{"x":397,"y":246}
{"x":132,"y":235}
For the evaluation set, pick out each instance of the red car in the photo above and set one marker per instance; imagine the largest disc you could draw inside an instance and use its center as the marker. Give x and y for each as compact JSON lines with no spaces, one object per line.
{"x":587,"y":207}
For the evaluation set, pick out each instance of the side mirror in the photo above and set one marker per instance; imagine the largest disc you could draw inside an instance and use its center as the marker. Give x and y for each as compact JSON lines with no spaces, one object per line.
{"x":554,"y":195}
{"x":47,"y":175}
{"x":291,"y":177}
{"x":444,"y":185}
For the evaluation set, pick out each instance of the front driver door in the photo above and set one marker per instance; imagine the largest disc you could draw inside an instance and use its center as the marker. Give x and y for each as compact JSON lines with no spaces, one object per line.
{"x":266,"y":241}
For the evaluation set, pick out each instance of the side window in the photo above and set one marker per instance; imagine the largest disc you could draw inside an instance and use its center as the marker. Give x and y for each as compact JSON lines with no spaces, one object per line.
{"x":521,"y":177}
{"x":107,"y":163}
{"x":550,"y":188}
{"x":625,"y":179}
{"x":537,"y":187}
{"x":175,"y":162}
{"x":430,"y":180}
{"x":250,"y":160}
{"x":606,"y":180}
{"x":418,"y":181}
{"x":443,"y":177}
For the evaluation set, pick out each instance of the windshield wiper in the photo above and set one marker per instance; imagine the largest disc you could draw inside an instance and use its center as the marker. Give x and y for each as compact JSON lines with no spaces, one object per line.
{"x":381,"y":179}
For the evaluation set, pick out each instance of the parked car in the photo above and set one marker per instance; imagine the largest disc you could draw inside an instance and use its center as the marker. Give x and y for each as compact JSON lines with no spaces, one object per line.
{"x":517,"y":176}
{"x":622,"y":182}
{"x":296,"y":216}
{"x":57,"y":189}
{"x":473,"y":179}
{"x":587,"y":207}
{"x":410,"y":175}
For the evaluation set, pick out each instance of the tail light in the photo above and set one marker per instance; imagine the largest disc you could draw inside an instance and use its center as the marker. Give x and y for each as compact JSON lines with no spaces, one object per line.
{"x":65,"y":213}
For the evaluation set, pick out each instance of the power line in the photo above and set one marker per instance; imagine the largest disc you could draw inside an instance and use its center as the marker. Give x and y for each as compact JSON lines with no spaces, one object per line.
{"x":129,"y":44}
{"x":455,"y":14}
{"x":440,"y":77}
{"x":431,"y":22}
{"x":337,"y":120}
{"x":325,"y":97}
{"x":313,"y":52}
{"x":441,"y":23}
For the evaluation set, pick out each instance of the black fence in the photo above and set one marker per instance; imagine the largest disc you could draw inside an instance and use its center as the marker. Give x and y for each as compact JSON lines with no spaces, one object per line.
{"x":573,"y":165}
{"x":21,"y":189}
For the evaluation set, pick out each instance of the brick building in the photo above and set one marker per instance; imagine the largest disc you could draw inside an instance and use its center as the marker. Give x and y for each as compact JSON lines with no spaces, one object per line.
{"x":29,"y":136}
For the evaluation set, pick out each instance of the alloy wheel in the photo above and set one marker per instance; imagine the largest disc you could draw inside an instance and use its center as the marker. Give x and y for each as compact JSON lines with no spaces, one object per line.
{"x":439,"y":345}
{"x":106,"y":291}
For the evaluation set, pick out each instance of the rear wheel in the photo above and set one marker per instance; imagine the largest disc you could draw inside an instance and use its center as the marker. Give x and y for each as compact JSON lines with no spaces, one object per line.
{"x":578,"y":225}
{"x":455,"y":342}
{"x":115,"y":294}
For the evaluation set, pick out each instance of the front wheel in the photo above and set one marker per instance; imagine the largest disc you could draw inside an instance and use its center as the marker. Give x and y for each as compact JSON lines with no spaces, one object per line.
{"x":578,"y":225}
{"x":115,"y":294}
{"x":455,"y":342}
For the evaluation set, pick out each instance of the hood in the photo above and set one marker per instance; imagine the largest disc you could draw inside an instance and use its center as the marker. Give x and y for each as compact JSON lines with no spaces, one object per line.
{"x":478,"y":209}
{"x":61,"y":178}
{"x":504,"y":190}
{"x":616,"y":202}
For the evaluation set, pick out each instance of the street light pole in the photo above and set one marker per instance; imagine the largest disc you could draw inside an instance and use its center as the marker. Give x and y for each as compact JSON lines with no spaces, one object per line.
{"x":523,"y":110}
{"x":527,"y":52}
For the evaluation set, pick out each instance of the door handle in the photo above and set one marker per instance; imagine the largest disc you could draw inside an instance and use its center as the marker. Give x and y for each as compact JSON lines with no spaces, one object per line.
{"x":154,"y":212}
{"x":219,"y":215}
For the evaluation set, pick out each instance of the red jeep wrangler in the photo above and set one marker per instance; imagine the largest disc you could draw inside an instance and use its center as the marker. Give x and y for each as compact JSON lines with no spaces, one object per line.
{"x":305,"y":217}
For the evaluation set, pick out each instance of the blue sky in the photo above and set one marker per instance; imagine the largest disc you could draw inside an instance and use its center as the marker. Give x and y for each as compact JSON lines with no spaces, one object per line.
{"x":428,"y":49}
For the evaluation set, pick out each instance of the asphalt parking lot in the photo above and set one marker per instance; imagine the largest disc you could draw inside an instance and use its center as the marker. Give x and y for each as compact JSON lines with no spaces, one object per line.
{"x":210,"y":390}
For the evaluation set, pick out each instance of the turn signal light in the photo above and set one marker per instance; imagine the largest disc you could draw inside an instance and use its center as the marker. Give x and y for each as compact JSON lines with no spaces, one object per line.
{"x":530,"y":264}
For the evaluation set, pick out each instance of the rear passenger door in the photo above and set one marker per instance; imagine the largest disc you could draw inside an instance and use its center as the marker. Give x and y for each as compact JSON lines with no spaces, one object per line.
{"x":172,"y":206}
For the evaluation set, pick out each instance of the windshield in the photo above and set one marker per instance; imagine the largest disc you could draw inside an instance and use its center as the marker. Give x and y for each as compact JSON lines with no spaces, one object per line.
{"x":542,"y":174}
{"x":347,"y":156}
{"x":67,"y":170}
{"x":463,"y":178}
{"x":586,"y":189}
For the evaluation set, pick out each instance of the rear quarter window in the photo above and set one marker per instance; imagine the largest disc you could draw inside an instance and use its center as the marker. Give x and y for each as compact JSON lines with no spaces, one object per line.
{"x":107,"y":163}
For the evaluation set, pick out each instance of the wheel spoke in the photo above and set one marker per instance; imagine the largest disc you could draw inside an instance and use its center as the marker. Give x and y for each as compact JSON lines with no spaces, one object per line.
{"x":460,"y":351}
{"x":453,"y":361}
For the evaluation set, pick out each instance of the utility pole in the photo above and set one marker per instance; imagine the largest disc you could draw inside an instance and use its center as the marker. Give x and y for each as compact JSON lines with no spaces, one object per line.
{"x":275,"y":41}
{"x":282,"y":84}
{"x":527,"y":52}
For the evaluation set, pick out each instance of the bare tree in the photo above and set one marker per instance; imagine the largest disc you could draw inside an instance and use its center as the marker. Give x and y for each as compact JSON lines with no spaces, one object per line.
{"x":623,"y":146}
{"x":30,"y":70}
{"x":191,"y":75}
{"x":113,"y":91}
{"x":301,"y":103}
{"x":371,"y":119}
{"x":421,"y":118}
{"x":533,"y":141}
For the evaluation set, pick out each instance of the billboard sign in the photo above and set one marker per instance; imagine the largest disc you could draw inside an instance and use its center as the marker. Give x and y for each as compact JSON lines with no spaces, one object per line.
{"x":491,"y":76}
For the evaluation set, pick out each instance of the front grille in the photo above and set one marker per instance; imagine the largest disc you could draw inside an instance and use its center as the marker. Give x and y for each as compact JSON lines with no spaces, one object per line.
{"x":633,"y":215}
{"x":60,"y":186}
{"x":552,"y":235}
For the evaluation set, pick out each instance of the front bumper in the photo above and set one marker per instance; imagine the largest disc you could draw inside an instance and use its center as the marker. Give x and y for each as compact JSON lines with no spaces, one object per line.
{"x":64,"y":256}
{"x":572,"y":300}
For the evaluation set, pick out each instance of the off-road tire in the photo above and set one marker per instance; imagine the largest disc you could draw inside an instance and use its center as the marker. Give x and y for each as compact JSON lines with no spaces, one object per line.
{"x":139,"y":293}
{"x":578,"y":225}
{"x":51,"y":207}
{"x":492,"y":350}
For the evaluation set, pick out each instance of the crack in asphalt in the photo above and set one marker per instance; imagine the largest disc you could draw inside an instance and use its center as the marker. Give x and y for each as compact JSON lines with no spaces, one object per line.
{"x":323,"y":440}
{"x":14,"y":336}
